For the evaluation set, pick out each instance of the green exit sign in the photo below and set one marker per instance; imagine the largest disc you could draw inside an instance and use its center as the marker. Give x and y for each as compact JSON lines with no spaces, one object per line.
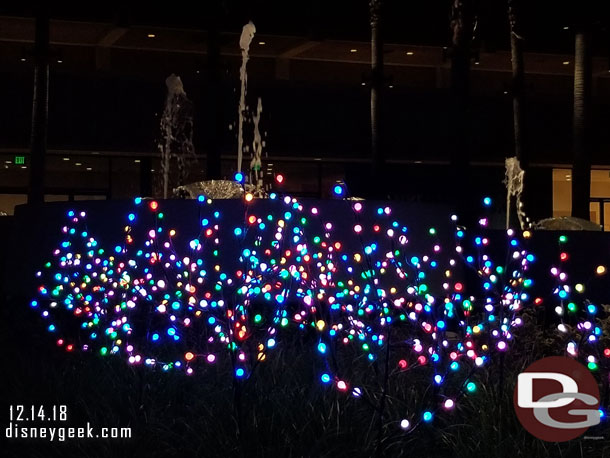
{"x":19,"y":160}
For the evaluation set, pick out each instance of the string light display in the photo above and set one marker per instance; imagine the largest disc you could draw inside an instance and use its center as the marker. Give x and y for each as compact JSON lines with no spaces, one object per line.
{"x":577,"y":317}
{"x":172,"y":300}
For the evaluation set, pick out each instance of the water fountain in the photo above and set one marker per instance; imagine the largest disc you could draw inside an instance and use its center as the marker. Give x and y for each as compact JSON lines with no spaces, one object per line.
{"x":256,"y":169}
{"x":245,"y":40}
{"x":513,"y":180}
{"x":227,"y":189}
{"x":177,"y":134}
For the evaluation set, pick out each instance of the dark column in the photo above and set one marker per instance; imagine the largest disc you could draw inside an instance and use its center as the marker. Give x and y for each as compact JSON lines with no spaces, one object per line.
{"x":377,"y":81}
{"x":145,"y":177}
{"x":462,"y":27}
{"x":40,"y":105}
{"x":214,"y":130}
{"x":581,"y":170}
{"x":110,"y":177}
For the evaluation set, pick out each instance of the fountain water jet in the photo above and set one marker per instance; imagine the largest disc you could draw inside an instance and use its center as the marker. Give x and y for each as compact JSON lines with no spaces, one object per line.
{"x":245,"y":40}
{"x":256,"y":169}
{"x":228,"y":189}
{"x":177,"y":133}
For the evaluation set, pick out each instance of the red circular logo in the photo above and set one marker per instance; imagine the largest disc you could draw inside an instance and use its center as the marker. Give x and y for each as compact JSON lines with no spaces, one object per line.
{"x":557,"y":399}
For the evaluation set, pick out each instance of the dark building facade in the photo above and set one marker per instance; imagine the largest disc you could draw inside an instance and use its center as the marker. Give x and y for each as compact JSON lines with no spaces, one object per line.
{"x":107,"y":93}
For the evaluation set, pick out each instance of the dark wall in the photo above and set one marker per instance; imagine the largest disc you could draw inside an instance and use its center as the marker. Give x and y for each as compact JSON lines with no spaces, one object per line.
{"x":425,"y":22}
{"x":6,"y":236}
{"x":101,"y":111}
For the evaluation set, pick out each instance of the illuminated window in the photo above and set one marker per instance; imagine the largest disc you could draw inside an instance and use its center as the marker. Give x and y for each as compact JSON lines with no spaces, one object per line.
{"x":600,"y":195}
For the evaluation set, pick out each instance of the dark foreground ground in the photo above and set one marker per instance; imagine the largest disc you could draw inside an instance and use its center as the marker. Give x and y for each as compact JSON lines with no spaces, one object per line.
{"x":285,"y":410}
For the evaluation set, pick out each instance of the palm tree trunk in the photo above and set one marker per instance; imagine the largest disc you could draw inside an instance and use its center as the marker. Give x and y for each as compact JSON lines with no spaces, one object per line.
{"x":581,"y":170}
{"x":518,"y":82}
{"x":377,"y":155}
{"x":518,"y":94}
{"x":40,"y":105}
